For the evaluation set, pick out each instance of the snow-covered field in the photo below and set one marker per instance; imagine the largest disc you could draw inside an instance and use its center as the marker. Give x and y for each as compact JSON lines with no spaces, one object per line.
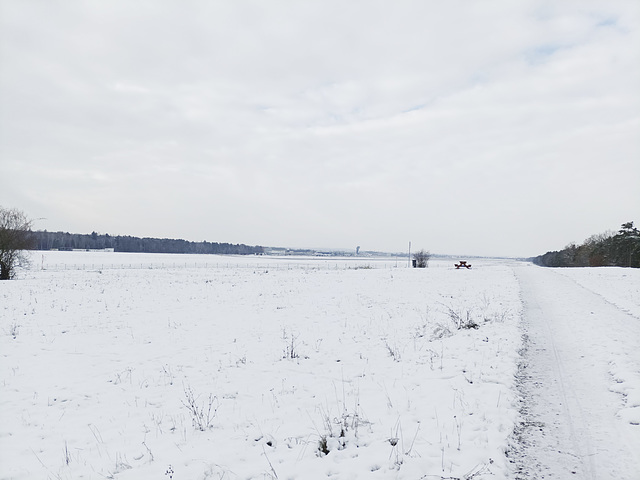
{"x":307,"y":370}
{"x":616,"y":285}
{"x":111,"y":373}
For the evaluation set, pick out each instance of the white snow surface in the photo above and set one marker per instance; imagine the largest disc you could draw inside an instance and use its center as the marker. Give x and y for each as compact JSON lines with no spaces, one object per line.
{"x":253,"y":368}
{"x":581,"y":374}
{"x":616,"y":285}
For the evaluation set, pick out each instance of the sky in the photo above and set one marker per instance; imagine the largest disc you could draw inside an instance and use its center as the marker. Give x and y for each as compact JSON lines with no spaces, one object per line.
{"x":495,"y":128}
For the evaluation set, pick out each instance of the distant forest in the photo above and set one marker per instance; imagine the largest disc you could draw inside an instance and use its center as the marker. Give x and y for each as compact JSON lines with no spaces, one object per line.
{"x":69,"y":241}
{"x":611,"y":249}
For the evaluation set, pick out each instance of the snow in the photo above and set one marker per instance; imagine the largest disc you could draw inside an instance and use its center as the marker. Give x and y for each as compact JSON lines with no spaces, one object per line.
{"x":581,"y":374}
{"x":621,"y":288}
{"x":616,"y":285}
{"x":129,"y":366}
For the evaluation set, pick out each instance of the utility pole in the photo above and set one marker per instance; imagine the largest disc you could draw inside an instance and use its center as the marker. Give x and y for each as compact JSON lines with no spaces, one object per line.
{"x":409,"y":265}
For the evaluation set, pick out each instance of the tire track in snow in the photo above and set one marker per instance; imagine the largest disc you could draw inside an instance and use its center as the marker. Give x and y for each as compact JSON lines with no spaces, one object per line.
{"x":570,"y":427}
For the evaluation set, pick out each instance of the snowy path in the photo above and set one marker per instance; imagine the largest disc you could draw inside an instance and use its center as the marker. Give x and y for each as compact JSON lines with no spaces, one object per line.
{"x":579,"y":381}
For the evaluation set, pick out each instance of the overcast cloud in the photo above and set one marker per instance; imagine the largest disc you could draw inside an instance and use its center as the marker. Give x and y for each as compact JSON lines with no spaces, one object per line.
{"x":488,"y":128}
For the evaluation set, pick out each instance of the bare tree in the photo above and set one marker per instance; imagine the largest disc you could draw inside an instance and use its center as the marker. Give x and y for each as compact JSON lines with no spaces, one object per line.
{"x":15,"y":237}
{"x":421,"y":258}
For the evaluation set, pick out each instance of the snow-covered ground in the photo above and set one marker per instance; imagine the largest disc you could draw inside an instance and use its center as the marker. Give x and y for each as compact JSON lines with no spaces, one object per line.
{"x":92,"y":260}
{"x":254,"y":368}
{"x":580,"y":374}
{"x":616,"y":285}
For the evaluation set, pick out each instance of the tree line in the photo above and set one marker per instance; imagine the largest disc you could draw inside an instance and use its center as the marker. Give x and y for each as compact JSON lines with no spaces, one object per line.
{"x":621,"y":249}
{"x":45,"y":240}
